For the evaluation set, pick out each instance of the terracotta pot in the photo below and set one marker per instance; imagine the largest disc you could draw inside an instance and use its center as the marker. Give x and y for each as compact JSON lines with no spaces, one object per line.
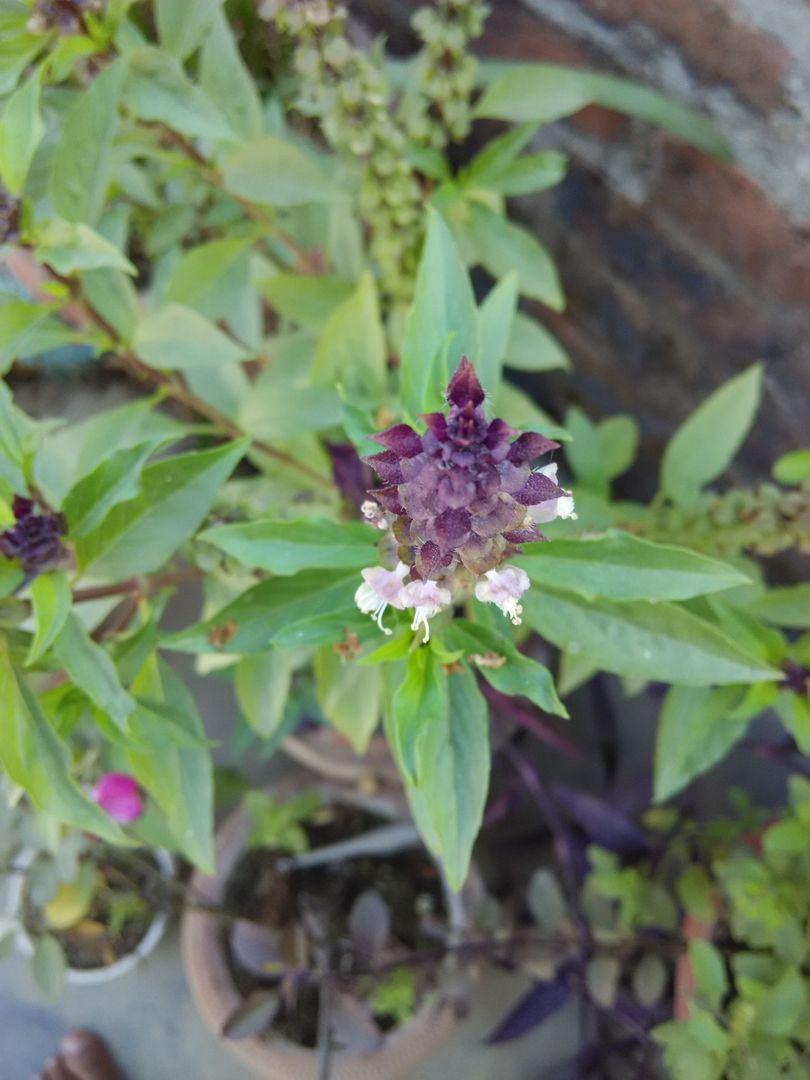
{"x":277,"y":1058}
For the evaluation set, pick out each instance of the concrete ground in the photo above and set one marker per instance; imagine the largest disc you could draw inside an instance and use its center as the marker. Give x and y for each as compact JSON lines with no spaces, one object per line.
{"x":151,"y":1024}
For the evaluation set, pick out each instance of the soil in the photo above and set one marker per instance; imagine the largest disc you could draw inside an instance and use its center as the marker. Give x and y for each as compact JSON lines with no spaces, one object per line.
{"x":320,"y":899}
{"x":92,"y":942}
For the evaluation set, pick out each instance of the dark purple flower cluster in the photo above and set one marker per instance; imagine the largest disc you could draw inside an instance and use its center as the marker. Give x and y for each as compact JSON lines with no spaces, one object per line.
{"x":464,"y":490}
{"x":67,"y":16}
{"x":34,"y":539}
{"x":9,"y":216}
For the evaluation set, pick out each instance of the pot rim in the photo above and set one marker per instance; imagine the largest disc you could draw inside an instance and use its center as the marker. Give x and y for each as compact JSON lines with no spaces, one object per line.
{"x":124,"y":964}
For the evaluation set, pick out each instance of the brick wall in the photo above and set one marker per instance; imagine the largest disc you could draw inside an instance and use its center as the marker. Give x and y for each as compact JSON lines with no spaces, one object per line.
{"x":679,"y":271}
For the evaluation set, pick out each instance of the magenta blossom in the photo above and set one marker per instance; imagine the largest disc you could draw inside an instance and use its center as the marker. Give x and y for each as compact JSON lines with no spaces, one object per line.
{"x":118,"y":794}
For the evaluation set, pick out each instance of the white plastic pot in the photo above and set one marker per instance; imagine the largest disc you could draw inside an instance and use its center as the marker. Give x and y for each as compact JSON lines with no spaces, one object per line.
{"x":92,"y":976}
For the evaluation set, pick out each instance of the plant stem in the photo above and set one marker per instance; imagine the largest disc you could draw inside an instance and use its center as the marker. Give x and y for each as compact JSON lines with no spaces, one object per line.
{"x":79,"y":311}
{"x":136,"y":586}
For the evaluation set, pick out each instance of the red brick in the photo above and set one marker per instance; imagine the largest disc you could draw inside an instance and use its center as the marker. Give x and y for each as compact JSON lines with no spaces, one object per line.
{"x":726,"y":211}
{"x":715,"y":45}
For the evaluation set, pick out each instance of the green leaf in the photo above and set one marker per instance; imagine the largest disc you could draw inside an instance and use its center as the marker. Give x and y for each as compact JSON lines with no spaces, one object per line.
{"x":112,"y":294}
{"x":74,"y":451}
{"x":705,"y":444}
{"x":51,"y":598}
{"x":82,"y":162}
{"x":497,"y":154}
{"x":211,"y":277}
{"x":787,"y":606}
{"x":179,"y":777}
{"x":545,"y":92}
{"x":273,"y":172}
{"x":421,"y":700}
{"x":641,"y":639}
{"x":350,"y":697}
{"x":18,"y":47}
{"x":21,"y":131}
{"x":531,"y":173}
{"x":177,"y":337}
{"x":159,"y":91}
{"x":28,"y":329}
{"x":519,"y":410}
{"x":617,"y":439}
{"x":262,"y":684}
{"x":519,"y":675}
{"x":532,"y":348}
{"x":709,"y":969}
{"x":496,"y":316}
{"x":779,"y":1008}
{"x":139,"y":536}
{"x":67,"y":248}
{"x":696,"y":729}
{"x":453,"y":772}
{"x":442,"y":322}
{"x":33,"y":757}
{"x":792,"y":468}
{"x":351,"y":349}
{"x":92,"y":670}
{"x":270,"y":413}
{"x":501,"y":246}
{"x":227,"y":82}
{"x":114,"y":481}
{"x":285,"y":547}
{"x":619,"y":566}
{"x":306,"y":300}
{"x":263,"y":611}
{"x":49,"y":965}
{"x":182,"y":27}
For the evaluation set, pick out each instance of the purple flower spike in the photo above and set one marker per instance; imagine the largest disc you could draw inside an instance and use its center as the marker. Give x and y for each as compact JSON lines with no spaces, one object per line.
{"x":118,"y":794}
{"x":464,"y":388}
{"x":33,"y":539}
{"x":463,"y":494}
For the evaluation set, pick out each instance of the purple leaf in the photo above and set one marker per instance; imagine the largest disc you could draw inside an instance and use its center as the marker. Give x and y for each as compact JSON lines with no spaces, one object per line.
{"x":452,"y":528}
{"x":428,"y":559}
{"x":538,"y":489}
{"x":600,"y":820}
{"x":529,"y":446}
{"x":386,"y":465}
{"x":524,"y":536}
{"x":401,"y":439}
{"x":530,"y":719}
{"x":540,"y":1002}
{"x":353,"y":1026}
{"x":437,"y":425}
{"x":464,"y":387}
{"x":369,"y":925}
{"x":498,"y":433}
{"x":350,"y":475}
{"x":388,"y":498}
{"x":255,"y":948}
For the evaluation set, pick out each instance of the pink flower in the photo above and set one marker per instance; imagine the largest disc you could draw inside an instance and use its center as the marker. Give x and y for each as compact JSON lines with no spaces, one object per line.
{"x":504,"y":588}
{"x":427,"y":599}
{"x":380,"y":589}
{"x":118,"y":794}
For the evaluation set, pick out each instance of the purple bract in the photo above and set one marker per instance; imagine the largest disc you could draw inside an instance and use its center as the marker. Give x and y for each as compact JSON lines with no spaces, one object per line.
{"x":464,"y":491}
